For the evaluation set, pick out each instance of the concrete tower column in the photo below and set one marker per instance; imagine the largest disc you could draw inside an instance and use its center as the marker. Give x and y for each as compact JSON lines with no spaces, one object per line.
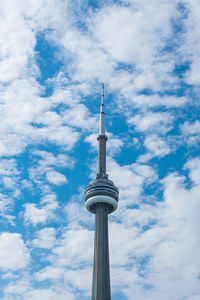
{"x":101,"y":269}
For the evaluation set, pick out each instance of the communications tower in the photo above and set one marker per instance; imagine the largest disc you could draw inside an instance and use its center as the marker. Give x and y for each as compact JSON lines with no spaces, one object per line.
{"x":101,"y":199}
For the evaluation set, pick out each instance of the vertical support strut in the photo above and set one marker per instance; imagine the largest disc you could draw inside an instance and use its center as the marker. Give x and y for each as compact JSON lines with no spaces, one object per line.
{"x":101,"y":270}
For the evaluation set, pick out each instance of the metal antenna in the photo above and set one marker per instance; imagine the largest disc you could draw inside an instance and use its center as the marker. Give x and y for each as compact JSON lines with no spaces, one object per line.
{"x":102,"y":94}
{"x":102,"y":113}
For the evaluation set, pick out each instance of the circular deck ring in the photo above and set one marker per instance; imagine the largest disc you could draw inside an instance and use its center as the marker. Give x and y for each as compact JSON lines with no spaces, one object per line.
{"x":101,"y":199}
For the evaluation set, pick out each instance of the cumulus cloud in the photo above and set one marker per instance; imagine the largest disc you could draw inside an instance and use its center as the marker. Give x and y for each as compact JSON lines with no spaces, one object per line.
{"x":74,"y":245}
{"x":44,"y":168}
{"x":56,"y":178}
{"x":156,"y":145}
{"x":5,"y":204}
{"x":9,"y":259}
{"x":160,"y":122}
{"x":49,"y":294}
{"x":191,"y":132}
{"x":194,"y":165}
{"x":191,"y":128}
{"x":130,"y":180}
{"x":36,"y":215}
{"x":45,"y":238}
{"x":191,"y":39}
{"x":24,"y":288}
{"x":44,"y":213}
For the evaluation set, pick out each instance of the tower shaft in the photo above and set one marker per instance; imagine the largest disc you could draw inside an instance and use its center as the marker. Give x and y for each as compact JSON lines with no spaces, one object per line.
{"x":101,"y":272}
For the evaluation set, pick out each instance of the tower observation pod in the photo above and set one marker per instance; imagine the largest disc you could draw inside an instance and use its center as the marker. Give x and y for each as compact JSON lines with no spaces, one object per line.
{"x":101,"y":199}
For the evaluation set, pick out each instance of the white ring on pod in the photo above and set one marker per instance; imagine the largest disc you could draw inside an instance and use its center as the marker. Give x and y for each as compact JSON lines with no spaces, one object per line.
{"x":101,"y":198}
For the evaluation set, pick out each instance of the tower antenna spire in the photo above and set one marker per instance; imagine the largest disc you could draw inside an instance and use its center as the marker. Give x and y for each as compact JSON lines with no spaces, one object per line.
{"x":102,"y":94}
{"x":102,"y":126}
{"x":102,"y":138}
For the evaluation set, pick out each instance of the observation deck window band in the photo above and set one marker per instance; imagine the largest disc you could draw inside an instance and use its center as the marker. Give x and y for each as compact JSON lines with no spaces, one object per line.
{"x":101,"y":191}
{"x":101,"y":199}
{"x":103,"y":188}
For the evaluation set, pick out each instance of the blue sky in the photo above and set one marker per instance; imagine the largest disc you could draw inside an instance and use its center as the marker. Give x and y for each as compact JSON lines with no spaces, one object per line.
{"x":54,"y":56}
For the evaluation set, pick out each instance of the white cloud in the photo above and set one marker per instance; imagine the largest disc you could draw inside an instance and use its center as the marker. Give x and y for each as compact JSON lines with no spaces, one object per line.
{"x":5,"y":203}
{"x":8,"y":167}
{"x":191,"y":132}
{"x":148,"y":173}
{"x":45,"y":238}
{"x":24,"y":289}
{"x":25,"y":121}
{"x":120,"y":254}
{"x":43,"y":214}
{"x":159,"y":122}
{"x":80,"y":279}
{"x":156,"y":101}
{"x":25,"y":115}
{"x":79,"y":116}
{"x":76,"y":213}
{"x":49,"y":294}
{"x":50,"y":201}
{"x":74,"y":247}
{"x":43,"y":170}
{"x":130,"y":179}
{"x":191,"y":41}
{"x":128,"y":35}
{"x":9,"y":177}
{"x":89,"y":60}
{"x":13,"y":252}
{"x":156,"y":145}
{"x":50,"y":159}
{"x":194,"y":166}
{"x":56,"y":178}
{"x":10,"y":189}
{"x":51,"y":273}
{"x":191,"y":128}
{"x":36,"y":215}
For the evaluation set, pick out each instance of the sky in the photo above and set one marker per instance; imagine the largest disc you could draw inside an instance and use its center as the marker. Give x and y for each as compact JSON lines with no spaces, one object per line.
{"x":54,"y":56}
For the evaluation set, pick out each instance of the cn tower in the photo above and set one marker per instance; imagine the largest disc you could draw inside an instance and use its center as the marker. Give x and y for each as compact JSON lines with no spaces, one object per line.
{"x":101,"y":199}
